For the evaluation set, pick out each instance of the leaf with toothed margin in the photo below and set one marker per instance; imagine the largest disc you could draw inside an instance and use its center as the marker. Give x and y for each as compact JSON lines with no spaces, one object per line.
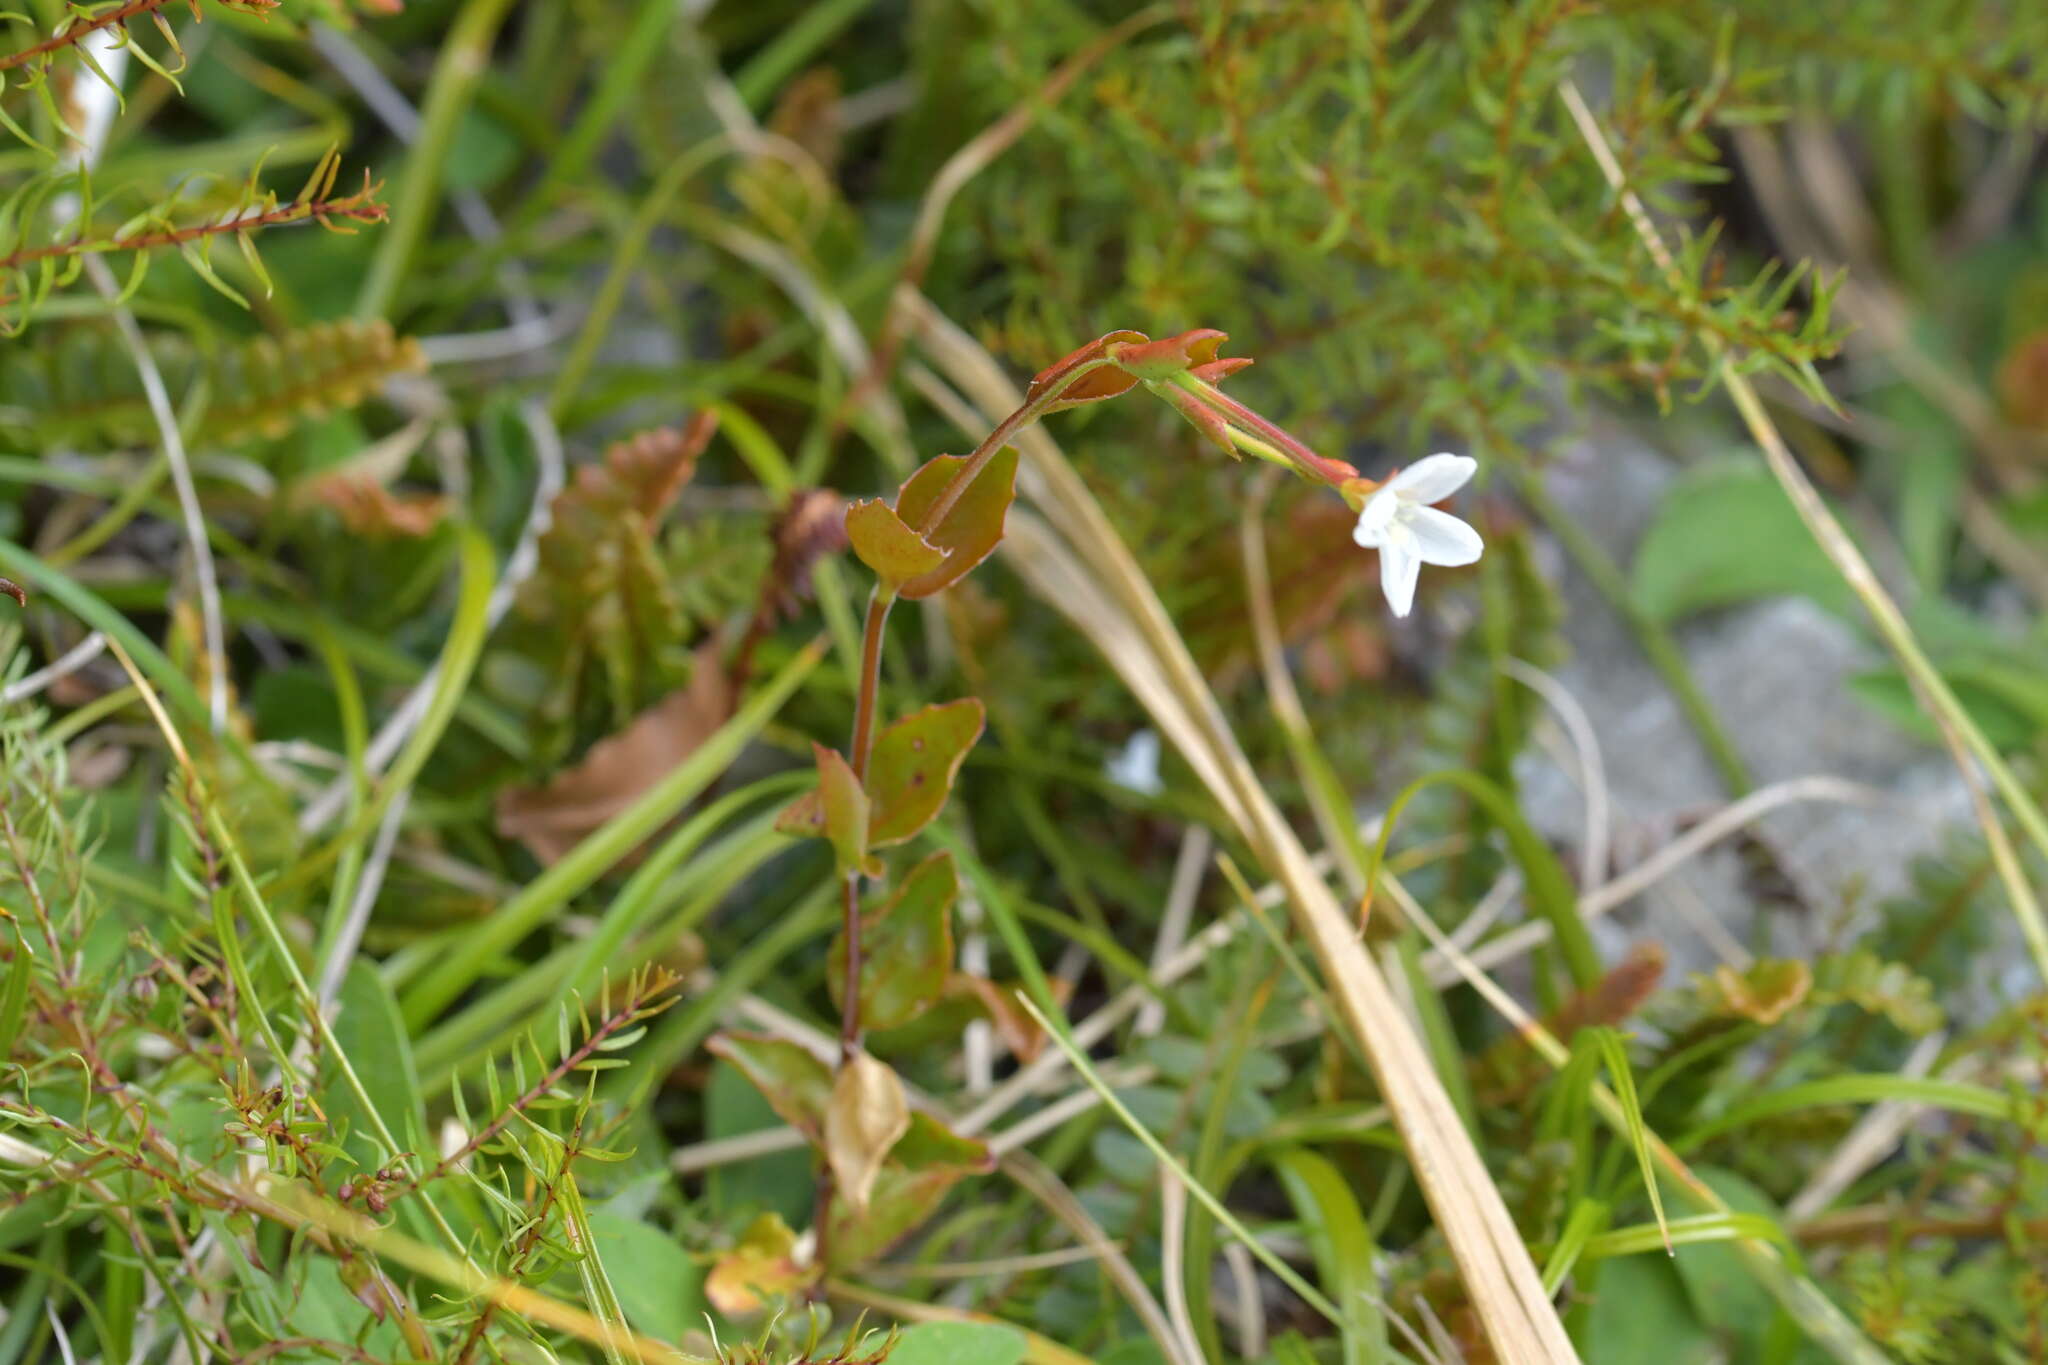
{"x":911,"y":771}
{"x":971,"y":530}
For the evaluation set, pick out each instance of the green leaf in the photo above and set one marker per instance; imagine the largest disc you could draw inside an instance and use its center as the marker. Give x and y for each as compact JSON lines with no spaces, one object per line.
{"x":659,"y":1286}
{"x":959,"y":1343}
{"x":928,"y":1160}
{"x":798,"y":1085}
{"x":1341,"y":1243}
{"x":974,"y":526}
{"x":896,"y":553}
{"x":1726,"y":534}
{"x":370,"y":1032}
{"x":1640,"y":1312}
{"x":1724,"y":1292}
{"x":906,"y":948}
{"x":911,"y":771}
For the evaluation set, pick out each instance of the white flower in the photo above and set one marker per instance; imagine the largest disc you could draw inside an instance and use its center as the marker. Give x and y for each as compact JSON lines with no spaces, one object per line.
{"x":1136,"y":766}
{"x":1398,"y":521}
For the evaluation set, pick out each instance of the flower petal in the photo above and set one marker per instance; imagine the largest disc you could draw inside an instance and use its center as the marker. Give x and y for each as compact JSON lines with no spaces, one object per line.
{"x":1375,"y":519}
{"x":1441,"y":538}
{"x":1399,"y":568}
{"x":1433,"y":479}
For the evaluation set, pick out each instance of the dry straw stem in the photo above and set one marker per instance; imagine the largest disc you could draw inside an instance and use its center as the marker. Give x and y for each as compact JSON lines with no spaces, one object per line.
{"x":1963,"y":738}
{"x":295,"y":1206}
{"x":1090,"y":575}
{"x":1803,"y":1300}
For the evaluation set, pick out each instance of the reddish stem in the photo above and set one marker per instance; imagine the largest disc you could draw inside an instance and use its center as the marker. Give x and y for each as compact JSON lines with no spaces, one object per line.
{"x":357,"y":207}
{"x":72,"y":36}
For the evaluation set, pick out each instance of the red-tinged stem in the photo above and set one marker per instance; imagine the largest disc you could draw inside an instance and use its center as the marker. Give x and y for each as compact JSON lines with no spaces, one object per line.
{"x":77,"y":33}
{"x":1321,"y":468}
{"x":1034,"y":407}
{"x":862,"y":747}
{"x":976,"y":462}
{"x":870,"y":680}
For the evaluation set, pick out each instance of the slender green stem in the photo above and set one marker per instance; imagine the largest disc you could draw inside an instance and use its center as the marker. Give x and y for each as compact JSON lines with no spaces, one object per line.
{"x":463,"y":60}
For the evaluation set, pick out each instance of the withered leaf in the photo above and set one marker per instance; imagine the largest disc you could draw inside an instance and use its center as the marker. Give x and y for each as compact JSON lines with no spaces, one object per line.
{"x":367,"y":508}
{"x":552,"y":818}
{"x":868,"y":1113}
{"x":762,"y":1267}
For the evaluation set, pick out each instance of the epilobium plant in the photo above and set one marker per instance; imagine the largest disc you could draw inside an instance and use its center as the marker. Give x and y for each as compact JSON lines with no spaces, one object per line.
{"x":891,"y":958}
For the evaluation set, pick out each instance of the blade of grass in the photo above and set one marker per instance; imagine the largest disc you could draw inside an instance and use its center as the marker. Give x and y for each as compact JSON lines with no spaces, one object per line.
{"x":1284,"y":1272}
{"x":464,"y":58}
{"x":1817,"y":1315}
{"x":1342,"y":1246}
{"x":438,"y":985}
{"x":1955,"y":1097}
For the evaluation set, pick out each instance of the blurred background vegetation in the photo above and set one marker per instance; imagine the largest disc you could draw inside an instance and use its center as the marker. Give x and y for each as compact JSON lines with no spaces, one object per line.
{"x":510,"y":362}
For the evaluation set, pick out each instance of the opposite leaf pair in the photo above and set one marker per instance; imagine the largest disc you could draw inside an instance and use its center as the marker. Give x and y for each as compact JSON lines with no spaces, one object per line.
{"x":910,"y":774}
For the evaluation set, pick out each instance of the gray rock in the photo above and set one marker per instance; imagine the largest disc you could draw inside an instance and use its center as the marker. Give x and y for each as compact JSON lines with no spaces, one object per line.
{"x":1776,"y":671}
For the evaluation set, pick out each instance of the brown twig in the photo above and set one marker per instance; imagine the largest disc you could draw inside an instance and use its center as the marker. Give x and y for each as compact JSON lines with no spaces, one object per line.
{"x":79,"y":32}
{"x":360,"y":207}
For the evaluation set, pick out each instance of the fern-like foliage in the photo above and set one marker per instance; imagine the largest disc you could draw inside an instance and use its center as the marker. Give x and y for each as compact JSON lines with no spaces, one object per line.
{"x":30,"y":65}
{"x":43,"y":246}
{"x":236,"y":1106}
{"x":78,"y":386}
{"x":603,"y":616}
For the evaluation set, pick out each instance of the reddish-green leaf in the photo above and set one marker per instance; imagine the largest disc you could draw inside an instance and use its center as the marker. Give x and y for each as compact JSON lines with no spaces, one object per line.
{"x":971,"y":530}
{"x":796,"y":1085}
{"x":762,"y":1268}
{"x":837,"y":809}
{"x":896,"y":553}
{"x":925,"y":1162}
{"x":911,"y":770}
{"x":906,"y":948}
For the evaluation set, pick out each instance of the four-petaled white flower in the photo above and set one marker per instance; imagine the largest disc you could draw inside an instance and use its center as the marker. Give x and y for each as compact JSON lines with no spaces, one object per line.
{"x":1398,"y":521}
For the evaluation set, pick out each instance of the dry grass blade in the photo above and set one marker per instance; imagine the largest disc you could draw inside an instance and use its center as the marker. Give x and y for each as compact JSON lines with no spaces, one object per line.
{"x":1090,"y":575}
{"x":1816,"y":1314}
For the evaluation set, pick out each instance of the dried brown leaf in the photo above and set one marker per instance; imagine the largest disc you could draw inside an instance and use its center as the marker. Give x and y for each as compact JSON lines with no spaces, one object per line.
{"x":811,"y":527}
{"x":552,"y":818}
{"x":867,"y":1115}
{"x":367,"y":508}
